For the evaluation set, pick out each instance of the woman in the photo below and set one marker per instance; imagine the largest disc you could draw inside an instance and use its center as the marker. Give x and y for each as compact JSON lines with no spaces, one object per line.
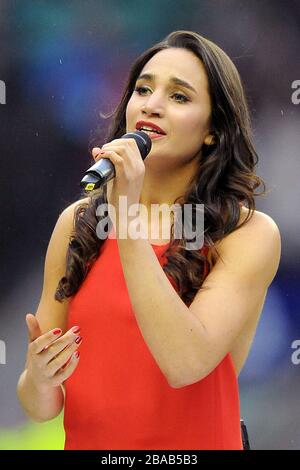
{"x":166,"y":330}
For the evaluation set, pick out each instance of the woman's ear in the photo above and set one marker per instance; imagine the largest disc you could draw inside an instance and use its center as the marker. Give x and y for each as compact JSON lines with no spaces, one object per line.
{"x":209,"y":139}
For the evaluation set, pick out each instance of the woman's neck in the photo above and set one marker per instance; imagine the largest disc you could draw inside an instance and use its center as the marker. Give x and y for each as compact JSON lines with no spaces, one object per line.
{"x":166,"y":187}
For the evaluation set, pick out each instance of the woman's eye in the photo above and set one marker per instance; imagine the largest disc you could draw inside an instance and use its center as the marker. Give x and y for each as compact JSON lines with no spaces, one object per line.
{"x":182,"y":98}
{"x":139,"y":89}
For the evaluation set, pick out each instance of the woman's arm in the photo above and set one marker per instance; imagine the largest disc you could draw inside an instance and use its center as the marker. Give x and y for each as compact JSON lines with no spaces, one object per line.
{"x":43,"y":401}
{"x":188,"y":343}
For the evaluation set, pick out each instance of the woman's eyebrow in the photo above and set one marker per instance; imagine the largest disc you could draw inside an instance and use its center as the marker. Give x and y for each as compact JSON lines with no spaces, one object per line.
{"x":176,"y":80}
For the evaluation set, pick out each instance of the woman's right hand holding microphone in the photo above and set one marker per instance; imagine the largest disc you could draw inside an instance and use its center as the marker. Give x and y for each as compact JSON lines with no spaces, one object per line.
{"x":51,"y":358}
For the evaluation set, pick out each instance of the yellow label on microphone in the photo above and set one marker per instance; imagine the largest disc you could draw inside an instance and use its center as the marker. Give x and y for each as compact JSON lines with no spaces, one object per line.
{"x":90,"y":186}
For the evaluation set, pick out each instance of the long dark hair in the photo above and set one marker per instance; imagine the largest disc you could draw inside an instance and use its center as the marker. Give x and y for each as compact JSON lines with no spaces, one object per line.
{"x":225,"y":177}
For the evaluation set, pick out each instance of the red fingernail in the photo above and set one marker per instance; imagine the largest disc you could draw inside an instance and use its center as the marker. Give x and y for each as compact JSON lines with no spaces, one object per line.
{"x":57,"y":331}
{"x":76,"y":329}
{"x":76,"y":354}
{"x":78,"y":339}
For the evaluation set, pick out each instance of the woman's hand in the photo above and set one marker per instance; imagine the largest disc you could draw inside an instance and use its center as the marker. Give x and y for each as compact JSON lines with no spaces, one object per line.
{"x":51,"y":358}
{"x":128,"y":181}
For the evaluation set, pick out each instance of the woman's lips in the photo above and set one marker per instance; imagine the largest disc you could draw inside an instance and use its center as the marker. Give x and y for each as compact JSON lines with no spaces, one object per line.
{"x":154,"y":135}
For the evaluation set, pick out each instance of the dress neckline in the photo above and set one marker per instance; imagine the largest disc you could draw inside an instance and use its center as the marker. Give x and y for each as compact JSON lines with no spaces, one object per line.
{"x":157,"y":246}
{"x":152,"y":244}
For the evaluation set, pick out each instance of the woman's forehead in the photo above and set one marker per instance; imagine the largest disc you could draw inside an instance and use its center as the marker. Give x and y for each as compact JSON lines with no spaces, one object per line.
{"x":177,"y":62}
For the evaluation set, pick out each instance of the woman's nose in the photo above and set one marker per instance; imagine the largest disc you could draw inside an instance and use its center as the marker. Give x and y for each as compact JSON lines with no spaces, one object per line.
{"x":152,"y":108}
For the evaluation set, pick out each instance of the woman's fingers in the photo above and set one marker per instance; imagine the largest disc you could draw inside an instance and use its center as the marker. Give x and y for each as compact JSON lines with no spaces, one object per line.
{"x":50,"y":353}
{"x":60,"y":360}
{"x":33,"y":327}
{"x":43,"y":343}
{"x":114,"y":151}
{"x":58,"y":346}
{"x":68,"y":370}
{"x":111,"y":154}
{"x":45,"y":340}
{"x":95,"y":151}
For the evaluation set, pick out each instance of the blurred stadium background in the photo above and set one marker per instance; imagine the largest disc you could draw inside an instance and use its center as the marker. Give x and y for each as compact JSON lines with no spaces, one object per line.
{"x":62,"y":63}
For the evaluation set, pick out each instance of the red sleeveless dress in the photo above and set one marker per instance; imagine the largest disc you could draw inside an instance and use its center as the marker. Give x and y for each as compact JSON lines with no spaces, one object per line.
{"x":118,"y":398}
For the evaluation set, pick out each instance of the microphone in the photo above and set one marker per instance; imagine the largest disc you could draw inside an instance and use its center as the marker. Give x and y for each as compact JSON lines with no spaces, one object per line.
{"x":103,"y":170}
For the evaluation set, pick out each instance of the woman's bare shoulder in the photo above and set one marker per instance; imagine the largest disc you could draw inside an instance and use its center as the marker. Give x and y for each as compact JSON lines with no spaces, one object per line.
{"x":70,"y":209}
{"x":257,"y":221}
{"x":259,"y":228}
{"x":258,"y":216}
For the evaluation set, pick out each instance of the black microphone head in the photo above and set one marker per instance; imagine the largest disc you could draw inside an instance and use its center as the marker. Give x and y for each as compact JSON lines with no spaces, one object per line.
{"x":143,"y":141}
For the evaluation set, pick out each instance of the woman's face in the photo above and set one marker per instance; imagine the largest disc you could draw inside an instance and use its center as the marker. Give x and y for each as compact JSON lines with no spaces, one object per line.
{"x":182,"y":113}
